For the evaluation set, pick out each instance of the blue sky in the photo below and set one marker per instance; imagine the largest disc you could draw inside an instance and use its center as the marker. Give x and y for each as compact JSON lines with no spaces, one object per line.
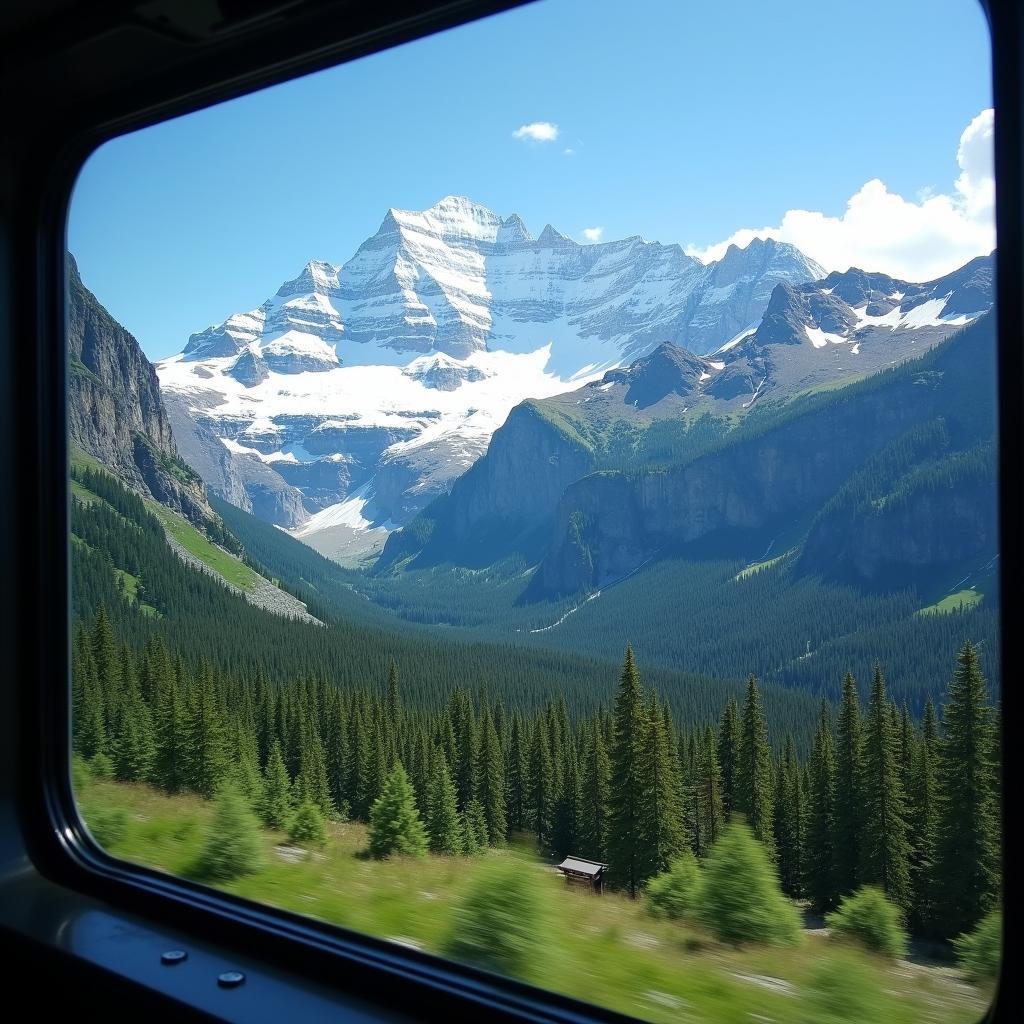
{"x":690,"y":123}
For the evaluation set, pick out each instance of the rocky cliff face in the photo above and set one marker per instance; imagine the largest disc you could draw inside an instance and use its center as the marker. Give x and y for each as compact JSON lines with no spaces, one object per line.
{"x":115,"y":410}
{"x":937,"y":520}
{"x":609,"y":523}
{"x":502,"y":498}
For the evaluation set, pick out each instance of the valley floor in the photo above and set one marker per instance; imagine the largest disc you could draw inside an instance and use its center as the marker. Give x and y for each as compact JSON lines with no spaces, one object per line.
{"x":604,"y":949}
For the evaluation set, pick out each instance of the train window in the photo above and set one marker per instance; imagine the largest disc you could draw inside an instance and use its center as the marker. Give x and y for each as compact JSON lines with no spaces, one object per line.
{"x":534,"y":500}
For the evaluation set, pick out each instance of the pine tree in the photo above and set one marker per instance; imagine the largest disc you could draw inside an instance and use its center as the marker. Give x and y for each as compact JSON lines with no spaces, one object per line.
{"x":312,"y":784}
{"x":631,"y":732}
{"x":395,"y":825}
{"x":821,"y":870}
{"x":922,"y":809}
{"x":728,"y":753}
{"x":967,"y":868}
{"x":542,"y":804}
{"x":170,"y":767}
{"x":849,"y":772}
{"x":567,"y":828}
{"x":474,"y":827}
{"x":708,"y":794}
{"x":275,"y":805}
{"x":444,"y":826}
{"x":753,"y":784}
{"x":884,"y":847}
{"x":205,"y":752}
{"x":596,"y":788}
{"x":517,"y":776}
{"x":660,"y":821}
{"x":490,"y":776}
{"x":108,"y":668}
{"x":790,"y":821}
{"x":465,"y":761}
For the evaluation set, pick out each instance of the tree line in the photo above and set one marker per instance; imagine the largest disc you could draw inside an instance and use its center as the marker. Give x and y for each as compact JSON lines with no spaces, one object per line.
{"x":879,"y":801}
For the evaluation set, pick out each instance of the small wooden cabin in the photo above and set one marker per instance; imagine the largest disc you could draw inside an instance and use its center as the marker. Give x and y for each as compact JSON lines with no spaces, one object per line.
{"x":578,"y":871}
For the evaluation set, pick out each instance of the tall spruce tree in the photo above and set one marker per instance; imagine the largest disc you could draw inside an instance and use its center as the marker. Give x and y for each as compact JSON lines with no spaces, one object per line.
{"x":967,"y":868}
{"x":490,"y":775}
{"x":849,"y":780}
{"x":728,"y":753}
{"x":517,"y":776}
{"x":660,"y":821}
{"x":567,"y":827}
{"x":542,"y":798}
{"x":625,"y":843}
{"x":708,"y":795}
{"x":753,"y":795}
{"x":820,"y":876}
{"x":922,"y":809}
{"x":594,"y":815}
{"x":444,"y":826}
{"x":275,"y":804}
{"x":884,"y":848}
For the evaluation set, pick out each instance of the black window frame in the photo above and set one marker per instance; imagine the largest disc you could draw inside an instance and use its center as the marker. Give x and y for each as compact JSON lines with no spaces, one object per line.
{"x":50,"y":868}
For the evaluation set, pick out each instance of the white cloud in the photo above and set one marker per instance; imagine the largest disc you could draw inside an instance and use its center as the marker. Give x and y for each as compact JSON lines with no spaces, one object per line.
{"x":915,"y":239}
{"x":568,"y":151}
{"x":537,"y":131}
{"x":593,"y":234}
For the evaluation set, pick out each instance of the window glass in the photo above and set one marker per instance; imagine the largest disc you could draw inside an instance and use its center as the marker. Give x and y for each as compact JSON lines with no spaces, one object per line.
{"x":533,"y":499}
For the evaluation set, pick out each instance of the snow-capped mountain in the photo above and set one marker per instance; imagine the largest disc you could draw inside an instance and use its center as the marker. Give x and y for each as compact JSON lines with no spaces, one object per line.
{"x":847,"y":325}
{"x":355,"y":394}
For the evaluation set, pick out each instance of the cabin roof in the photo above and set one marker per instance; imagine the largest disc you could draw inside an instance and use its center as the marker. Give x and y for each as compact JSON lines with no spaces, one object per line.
{"x":582,"y":867}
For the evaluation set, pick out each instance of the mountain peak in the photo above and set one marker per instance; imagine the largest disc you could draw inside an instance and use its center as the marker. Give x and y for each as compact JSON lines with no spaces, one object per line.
{"x":550,"y":237}
{"x":514,"y":230}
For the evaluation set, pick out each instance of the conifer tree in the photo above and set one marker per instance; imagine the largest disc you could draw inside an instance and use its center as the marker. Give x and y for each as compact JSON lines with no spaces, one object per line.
{"x":728,"y":752}
{"x":464,"y":764}
{"x":474,"y":826}
{"x":967,"y":868}
{"x":275,"y":805}
{"x":922,"y":809}
{"x":594,"y":822}
{"x":849,"y":773}
{"x":567,"y":828}
{"x":753,"y":784}
{"x":708,"y":790}
{"x":884,"y":848}
{"x":444,"y":826}
{"x":107,"y":660}
{"x":171,"y":765}
{"x":660,"y":822}
{"x":490,"y":776}
{"x":821,"y":871}
{"x":395,"y":825}
{"x":517,"y":776}
{"x":625,"y":843}
{"x":205,"y":751}
{"x":312,"y":784}
{"x":542,"y":804}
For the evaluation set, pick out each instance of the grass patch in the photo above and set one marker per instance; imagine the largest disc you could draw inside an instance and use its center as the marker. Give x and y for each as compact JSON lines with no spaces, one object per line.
{"x":606,"y":949}
{"x":759,"y":566}
{"x":960,"y":601}
{"x":233,"y":569}
{"x":131,"y":590}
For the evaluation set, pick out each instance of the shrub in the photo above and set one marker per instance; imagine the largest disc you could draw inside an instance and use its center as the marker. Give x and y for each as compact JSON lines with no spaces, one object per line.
{"x":395,"y":825}
{"x":740,"y":898}
{"x":79,"y":773}
{"x":500,"y":924}
{"x":307,"y":828}
{"x":842,"y":989}
{"x":675,"y":893}
{"x":869,"y":918}
{"x":232,"y":846}
{"x":979,"y":952}
{"x":108,"y":825}
{"x":101,"y":767}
